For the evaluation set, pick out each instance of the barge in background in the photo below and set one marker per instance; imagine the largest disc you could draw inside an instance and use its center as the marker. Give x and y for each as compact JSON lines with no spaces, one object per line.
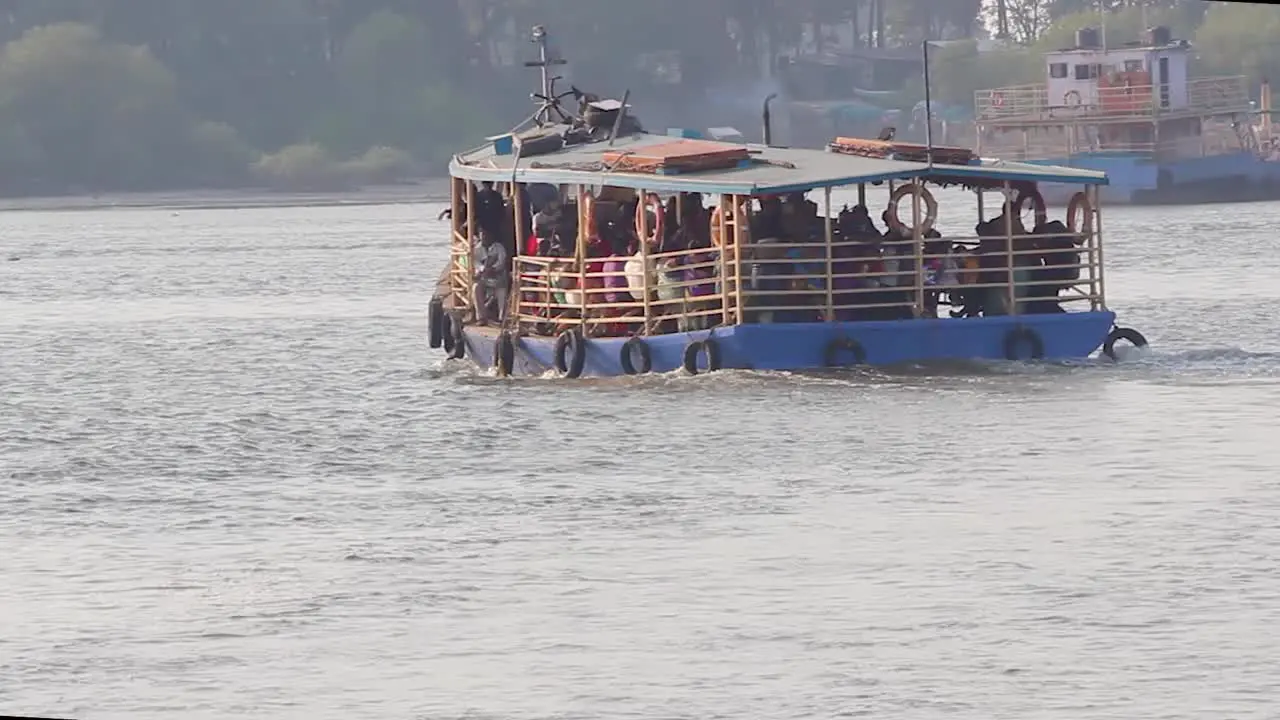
{"x":1134,"y":113}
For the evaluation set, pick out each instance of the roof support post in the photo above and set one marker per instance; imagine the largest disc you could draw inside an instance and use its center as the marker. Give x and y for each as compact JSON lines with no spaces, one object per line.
{"x":917,"y":237}
{"x":829,"y":313}
{"x":1007,"y":191}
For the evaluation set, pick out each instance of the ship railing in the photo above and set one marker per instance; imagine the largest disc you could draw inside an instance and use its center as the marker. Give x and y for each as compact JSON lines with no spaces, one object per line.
{"x":909,"y":281}
{"x":1010,"y":101}
{"x":460,"y":247}
{"x":1059,"y":146}
{"x":811,"y":281}
{"x":684,"y":287}
{"x":1015,"y":149}
{"x":1204,"y":96}
{"x":1219,"y":94}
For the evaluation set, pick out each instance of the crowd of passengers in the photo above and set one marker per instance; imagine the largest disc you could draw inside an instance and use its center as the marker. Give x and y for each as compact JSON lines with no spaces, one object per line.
{"x":783,"y":271}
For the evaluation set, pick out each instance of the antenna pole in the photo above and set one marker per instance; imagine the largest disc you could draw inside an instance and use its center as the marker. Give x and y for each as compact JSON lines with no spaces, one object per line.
{"x":1102,"y":10}
{"x":928,"y":107}
{"x":541,"y":39}
{"x":544,"y":63}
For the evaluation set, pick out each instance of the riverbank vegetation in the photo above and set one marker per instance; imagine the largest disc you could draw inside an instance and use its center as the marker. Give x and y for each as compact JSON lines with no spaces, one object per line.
{"x":318,"y":95}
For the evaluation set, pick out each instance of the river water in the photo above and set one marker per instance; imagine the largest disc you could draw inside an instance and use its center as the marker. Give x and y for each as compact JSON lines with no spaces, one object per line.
{"x":237,"y":483}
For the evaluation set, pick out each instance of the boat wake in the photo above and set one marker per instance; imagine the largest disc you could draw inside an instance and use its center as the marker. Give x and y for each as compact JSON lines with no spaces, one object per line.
{"x":1219,"y":364}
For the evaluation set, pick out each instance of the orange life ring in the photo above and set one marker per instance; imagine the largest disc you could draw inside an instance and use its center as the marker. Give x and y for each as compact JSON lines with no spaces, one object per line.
{"x":997,"y":99}
{"x":1079,"y":202}
{"x":650,"y":201}
{"x":930,"y":206}
{"x":717,"y":224}
{"x":1066,"y":98}
{"x":1037,"y":203}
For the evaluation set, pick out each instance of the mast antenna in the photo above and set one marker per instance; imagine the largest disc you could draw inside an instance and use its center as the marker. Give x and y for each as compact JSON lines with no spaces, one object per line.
{"x":549,"y":101}
{"x":928,"y":107}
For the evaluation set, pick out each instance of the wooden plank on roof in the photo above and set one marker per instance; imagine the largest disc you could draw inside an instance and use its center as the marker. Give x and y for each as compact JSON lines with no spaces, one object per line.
{"x":679,"y":156}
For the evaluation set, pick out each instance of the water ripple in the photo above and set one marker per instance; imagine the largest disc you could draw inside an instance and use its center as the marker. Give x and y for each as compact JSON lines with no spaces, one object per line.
{"x":237,"y":483}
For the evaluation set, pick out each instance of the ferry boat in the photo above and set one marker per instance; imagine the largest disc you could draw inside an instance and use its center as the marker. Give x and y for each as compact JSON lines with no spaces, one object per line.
{"x":1135,"y":113}
{"x":582,"y":245}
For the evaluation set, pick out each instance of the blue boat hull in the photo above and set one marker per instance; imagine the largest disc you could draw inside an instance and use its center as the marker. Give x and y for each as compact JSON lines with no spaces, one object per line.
{"x":804,"y":346}
{"x":1136,"y":179}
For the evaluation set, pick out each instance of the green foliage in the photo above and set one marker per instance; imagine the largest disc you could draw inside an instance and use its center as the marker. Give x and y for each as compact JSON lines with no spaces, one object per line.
{"x":139,"y":94}
{"x":1237,"y":36}
{"x":305,"y":167}
{"x":379,"y":166}
{"x":960,"y":71}
{"x":102,"y":115}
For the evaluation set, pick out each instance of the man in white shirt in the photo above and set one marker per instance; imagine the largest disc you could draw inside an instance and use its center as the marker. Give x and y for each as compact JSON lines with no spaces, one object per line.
{"x":493,"y":277}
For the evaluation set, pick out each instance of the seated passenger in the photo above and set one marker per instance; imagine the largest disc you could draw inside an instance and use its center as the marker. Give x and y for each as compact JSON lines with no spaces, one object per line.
{"x":858,"y":253}
{"x":545,"y":225}
{"x":1059,"y":260}
{"x":808,"y":264}
{"x":993,"y":266}
{"x":940,"y":270}
{"x":767,"y":223}
{"x":765,"y":277}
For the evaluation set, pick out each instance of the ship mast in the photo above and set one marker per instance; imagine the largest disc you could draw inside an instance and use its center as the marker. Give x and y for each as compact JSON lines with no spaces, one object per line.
{"x":549,"y":102}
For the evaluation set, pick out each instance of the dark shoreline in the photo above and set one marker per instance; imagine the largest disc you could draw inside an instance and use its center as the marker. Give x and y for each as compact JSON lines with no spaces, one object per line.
{"x":423,"y":191}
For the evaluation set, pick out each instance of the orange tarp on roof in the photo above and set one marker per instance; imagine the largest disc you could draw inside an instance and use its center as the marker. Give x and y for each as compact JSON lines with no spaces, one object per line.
{"x":678,"y":156}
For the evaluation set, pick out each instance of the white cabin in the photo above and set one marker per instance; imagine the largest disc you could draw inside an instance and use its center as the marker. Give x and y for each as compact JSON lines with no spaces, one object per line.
{"x":1075,"y":76}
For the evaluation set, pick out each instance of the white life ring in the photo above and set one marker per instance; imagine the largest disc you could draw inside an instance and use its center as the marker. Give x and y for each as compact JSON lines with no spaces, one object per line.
{"x":1072,"y":98}
{"x":930,"y":215}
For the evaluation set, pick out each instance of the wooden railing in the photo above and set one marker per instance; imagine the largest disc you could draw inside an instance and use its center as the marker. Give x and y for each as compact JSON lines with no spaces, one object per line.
{"x":900,"y":283}
{"x":615,"y":295}
{"x":846,"y":280}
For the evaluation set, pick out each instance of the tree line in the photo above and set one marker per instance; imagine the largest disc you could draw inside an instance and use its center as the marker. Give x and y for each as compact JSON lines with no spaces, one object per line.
{"x":111,"y":95}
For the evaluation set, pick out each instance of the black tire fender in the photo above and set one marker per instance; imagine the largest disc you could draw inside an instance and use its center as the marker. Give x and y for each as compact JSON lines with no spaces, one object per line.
{"x":709,"y":347}
{"x":1133,"y":336}
{"x":457,"y":343}
{"x":631,"y":348}
{"x":843,"y":346}
{"x":1018,"y":336}
{"x":435,"y":323}
{"x":504,"y":354}
{"x":571,"y":353}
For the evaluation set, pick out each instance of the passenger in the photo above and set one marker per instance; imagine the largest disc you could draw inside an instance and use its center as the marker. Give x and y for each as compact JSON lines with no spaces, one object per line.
{"x":940,"y":268}
{"x":546,"y":224}
{"x":766,"y":277}
{"x":703,"y":267}
{"x":1027,"y":262}
{"x":899,"y":266}
{"x":767,"y":223}
{"x":808,"y":264}
{"x":761,"y":269}
{"x":522,"y":236}
{"x":493,"y":271}
{"x":966,"y":301}
{"x":858,"y":253}
{"x":993,"y":266}
{"x":1059,"y":261}
{"x":489,"y":208}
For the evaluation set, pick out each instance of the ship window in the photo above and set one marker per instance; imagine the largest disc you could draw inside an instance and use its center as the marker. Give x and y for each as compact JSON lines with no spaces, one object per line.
{"x":1082,"y":72}
{"x":1133,"y":66}
{"x":1057,"y":70}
